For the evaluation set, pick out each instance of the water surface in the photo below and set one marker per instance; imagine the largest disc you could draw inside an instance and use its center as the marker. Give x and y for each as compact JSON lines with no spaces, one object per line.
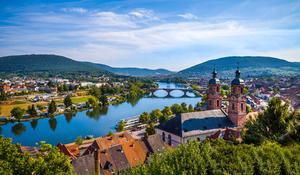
{"x":66,"y":128}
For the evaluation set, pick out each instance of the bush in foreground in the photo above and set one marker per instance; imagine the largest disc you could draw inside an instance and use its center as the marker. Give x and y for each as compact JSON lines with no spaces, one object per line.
{"x":48,"y":162}
{"x":220,"y":157}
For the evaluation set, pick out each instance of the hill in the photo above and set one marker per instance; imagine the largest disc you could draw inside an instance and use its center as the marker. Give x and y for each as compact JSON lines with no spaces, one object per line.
{"x":138,"y":72}
{"x":43,"y":63}
{"x":56,"y":63}
{"x":249,"y":66}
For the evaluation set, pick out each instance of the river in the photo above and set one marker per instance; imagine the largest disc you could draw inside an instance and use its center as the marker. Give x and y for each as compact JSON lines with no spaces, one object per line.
{"x":66,"y":128}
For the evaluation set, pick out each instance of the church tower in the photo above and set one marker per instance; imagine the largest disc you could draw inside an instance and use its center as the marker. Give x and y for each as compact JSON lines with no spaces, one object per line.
{"x":237,"y":100}
{"x":214,"y":98}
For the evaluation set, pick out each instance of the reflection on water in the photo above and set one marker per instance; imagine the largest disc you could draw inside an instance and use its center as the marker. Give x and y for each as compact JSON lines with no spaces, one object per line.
{"x":34,"y":123}
{"x":96,"y":112}
{"x":99,"y":121}
{"x":133,"y":101}
{"x":18,"y":129}
{"x":53,"y":123}
{"x":69,"y":116}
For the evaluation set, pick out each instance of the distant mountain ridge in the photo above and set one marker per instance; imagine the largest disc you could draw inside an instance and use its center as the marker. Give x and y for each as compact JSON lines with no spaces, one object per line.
{"x":41,"y":62}
{"x":249,"y":66}
{"x":56,"y":63}
{"x":131,"y":71}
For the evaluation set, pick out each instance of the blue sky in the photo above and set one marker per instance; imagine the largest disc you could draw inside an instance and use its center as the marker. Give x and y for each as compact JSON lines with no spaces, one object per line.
{"x":150,"y":33}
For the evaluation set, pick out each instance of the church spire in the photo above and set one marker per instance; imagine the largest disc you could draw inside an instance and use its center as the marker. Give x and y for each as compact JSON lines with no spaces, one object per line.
{"x":237,"y":72}
{"x":214,"y":73}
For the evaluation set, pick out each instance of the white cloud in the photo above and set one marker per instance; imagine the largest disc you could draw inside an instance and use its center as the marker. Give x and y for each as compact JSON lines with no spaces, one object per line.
{"x":110,"y":37}
{"x":107,"y":18}
{"x":188,"y":16}
{"x":144,"y":13}
{"x":75,"y":10}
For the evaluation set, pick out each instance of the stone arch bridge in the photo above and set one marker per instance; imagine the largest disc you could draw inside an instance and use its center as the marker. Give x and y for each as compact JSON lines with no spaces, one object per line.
{"x":169,"y":90}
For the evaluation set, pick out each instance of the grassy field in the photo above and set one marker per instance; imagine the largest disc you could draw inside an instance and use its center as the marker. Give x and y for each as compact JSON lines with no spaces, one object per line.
{"x":78,"y":99}
{"x":81,"y":99}
{"x":6,"y":108}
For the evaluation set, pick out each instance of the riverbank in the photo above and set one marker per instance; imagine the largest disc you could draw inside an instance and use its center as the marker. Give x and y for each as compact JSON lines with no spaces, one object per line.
{"x":65,"y":128}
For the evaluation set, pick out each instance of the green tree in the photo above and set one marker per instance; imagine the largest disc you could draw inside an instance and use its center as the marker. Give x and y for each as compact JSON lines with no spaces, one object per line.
{"x":32,"y":111}
{"x":68,"y":101}
{"x":121,"y":126}
{"x":150,"y":129}
{"x":103,"y":100}
{"x":246,"y":91}
{"x":94,"y":91}
{"x":184,"y":107}
{"x":272,"y":124}
{"x":155,"y":115}
{"x":110,"y":133}
{"x":52,"y":107}
{"x":176,"y":109}
{"x":48,"y":160}
{"x":248,"y":108}
{"x":79,"y":140}
{"x":92,"y":102}
{"x":3,"y":95}
{"x":191,"y":108}
{"x":144,"y":117}
{"x":167,"y":111}
{"x":220,"y":157}
{"x":17,"y":112}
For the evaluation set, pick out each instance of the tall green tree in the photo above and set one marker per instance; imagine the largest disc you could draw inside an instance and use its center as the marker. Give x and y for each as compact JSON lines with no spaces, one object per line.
{"x":68,"y":101}
{"x":190,"y":108}
{"x":184,"y":107}
{"x":17,"y":112}
{"x":32,"y":111}
{"x":52,"y":107}
{"x":276,"y":121}
{"x":3,"y":95}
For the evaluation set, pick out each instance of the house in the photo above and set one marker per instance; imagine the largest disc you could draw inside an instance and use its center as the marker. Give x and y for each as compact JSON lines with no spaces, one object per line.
{"x":111,"y":154}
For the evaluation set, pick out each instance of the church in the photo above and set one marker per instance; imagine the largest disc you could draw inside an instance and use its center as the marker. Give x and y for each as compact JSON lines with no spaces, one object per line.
{"x":215,"y":122}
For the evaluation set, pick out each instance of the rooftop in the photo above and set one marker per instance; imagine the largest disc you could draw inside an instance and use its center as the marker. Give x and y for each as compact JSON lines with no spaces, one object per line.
{"x":197,"y":121}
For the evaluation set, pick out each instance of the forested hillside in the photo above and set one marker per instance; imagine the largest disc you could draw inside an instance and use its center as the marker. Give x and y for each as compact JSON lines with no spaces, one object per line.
{"x":249,"y":65}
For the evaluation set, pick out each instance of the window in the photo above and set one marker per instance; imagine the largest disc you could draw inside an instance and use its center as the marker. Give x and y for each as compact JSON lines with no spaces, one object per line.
{"x":217,"y":88}
{"x":242,"y":106}
{"x":242,"y":90}
{"x":232,"y":107}
{"x":218,"y":103}
{"x":209,"y":102}
{"x":163,"y":136}
{"x":169,"y":140}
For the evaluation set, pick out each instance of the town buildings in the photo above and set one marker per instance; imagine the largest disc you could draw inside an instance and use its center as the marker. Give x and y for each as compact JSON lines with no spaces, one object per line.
{"x":111,"y":154}
{"x":216,"y":122}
